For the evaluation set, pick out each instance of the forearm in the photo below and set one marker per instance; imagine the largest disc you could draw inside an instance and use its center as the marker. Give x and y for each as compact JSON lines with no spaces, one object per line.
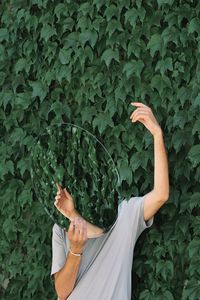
{"x":92,"y":230}
{"x":161,"y":177}
{"x":66,"y":277}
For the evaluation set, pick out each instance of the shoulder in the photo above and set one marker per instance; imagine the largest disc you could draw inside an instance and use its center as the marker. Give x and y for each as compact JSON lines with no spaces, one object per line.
{"x":136,"y":200}
{"x":131,"y":205}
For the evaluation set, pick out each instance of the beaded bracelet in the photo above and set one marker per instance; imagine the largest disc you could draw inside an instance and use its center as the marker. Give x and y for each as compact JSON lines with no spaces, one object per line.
{"x":76,"y":254}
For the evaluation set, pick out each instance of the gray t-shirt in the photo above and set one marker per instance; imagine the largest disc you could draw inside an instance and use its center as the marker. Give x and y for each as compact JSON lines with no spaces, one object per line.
{"x":106,"y":263}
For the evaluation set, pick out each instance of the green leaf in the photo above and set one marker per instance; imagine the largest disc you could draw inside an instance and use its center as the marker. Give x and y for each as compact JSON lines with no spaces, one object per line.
{"x":164,"y":65}
{"x":17,"y":135}
{"x":192,"y":289}
{"x":24,"y":197}
{"x":112,"y":26}
{"x":4,"y":34}
{"x":125,"y":171}
{"x":39,"y":89}
{"x":71,"y":40}
{"x":194,"y":156}
{"x":65,"y":55}
{"x":133,"y":67}
{"x":5,"y":98}
{"x":23,"y":100}
{"x":155,"y":44}
{"x":197,"y":101}
{"x":64,"y":73}
{"x":194,"y":248}
{"x":8,"y":227}
{"x":131,"y":16}
{"x":57,"y":107}
{"x":2,"y":77}
{"x":20,"y":65}
{"x":23,"y":165}
{"x":61,"y":9}
{"x":165,"y":268}
{"x":194,"y":200}
{"x":111,"y":11}
{"x":88,"y":35}
{"x":167,"y":295}
{"x":9,"y":167}
{"x":110,"y":54}
{"x":107,"y":121}
{"x":145,"y":295}
{"x":161,"y":2}
{"x":88,"y":113}
{"x":194,"y":25}
{"x":85,"y":8}
{"x":47,"y":32}
{"x":196,"y":127}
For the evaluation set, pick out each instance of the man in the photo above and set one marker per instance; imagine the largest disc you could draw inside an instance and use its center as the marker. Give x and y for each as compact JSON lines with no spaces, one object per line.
{"x":88,"y":264}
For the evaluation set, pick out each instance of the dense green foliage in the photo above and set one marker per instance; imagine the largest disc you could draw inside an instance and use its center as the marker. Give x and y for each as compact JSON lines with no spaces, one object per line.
{"x":84,"y":62}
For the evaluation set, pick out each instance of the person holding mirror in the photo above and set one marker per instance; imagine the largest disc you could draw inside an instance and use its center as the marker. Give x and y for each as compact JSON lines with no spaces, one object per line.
{"x":89,"y":264}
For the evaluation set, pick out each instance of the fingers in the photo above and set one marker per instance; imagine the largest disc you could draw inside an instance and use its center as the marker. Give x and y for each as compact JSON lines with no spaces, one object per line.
{"x":84,"y":234}
{"x":63,"y":192}
{"x":77,"y":234}
{"x":141,"y":107}
{"x":70,"y":230}
{"x":60,"y":192}
{"x":58,"y":196}
{"x":140,"y":112}
{"x":78,"y":229}
{"x":71,"y":226}
{"x":140,"y":104}
{"x":56,"y":202}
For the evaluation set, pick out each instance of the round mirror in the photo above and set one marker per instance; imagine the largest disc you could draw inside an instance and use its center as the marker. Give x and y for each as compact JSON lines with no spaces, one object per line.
{"x":75,"y":159}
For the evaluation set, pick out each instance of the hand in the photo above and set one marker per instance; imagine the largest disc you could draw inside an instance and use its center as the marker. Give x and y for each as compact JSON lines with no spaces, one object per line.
{"x":145,"y":115}
{"x":64,"y":202}
{"x":77,"y":234}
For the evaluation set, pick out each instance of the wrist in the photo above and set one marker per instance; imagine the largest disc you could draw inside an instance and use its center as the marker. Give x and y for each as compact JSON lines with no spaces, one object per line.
{"x":76,"y":250}
{"x":71,"y":215}
{"x":79,"y":254}
{"x":158,"y":132}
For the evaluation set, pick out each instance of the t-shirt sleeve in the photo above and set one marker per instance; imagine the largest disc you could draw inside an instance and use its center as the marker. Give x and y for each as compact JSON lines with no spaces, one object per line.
{"x":133,"y":211}
{"x":58,"y":250}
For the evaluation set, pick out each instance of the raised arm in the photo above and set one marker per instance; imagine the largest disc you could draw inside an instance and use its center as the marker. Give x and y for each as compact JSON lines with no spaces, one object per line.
{"x":160,"y":192}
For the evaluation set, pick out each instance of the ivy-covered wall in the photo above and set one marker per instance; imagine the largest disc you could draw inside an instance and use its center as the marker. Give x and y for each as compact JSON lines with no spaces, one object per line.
{"x":84,"y":62}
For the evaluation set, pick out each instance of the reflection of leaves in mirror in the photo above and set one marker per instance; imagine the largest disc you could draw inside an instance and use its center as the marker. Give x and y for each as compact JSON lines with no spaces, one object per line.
{"x":68,"y":155}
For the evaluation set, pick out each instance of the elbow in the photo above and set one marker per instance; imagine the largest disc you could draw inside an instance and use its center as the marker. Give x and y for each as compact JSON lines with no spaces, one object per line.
{"x":62,"y":295}
{"x":62,"y":292}
{"x":164,"y":197}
